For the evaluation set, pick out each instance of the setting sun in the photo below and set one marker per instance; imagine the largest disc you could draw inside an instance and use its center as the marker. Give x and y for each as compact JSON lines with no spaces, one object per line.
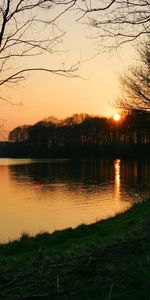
{"x":116,"y":117}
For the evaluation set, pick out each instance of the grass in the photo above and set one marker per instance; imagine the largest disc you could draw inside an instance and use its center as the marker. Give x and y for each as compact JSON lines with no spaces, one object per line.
{"x":108,"y":260}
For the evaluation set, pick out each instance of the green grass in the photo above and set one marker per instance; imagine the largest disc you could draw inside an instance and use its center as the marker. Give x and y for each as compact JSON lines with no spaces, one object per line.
{"x":108,"y":260}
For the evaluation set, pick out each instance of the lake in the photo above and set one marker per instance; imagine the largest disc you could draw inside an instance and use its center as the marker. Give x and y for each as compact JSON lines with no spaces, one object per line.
{"x":53,"y":194}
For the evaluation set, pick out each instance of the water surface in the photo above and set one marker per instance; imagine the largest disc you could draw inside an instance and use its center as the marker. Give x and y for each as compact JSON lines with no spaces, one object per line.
{"x":49,"y":195}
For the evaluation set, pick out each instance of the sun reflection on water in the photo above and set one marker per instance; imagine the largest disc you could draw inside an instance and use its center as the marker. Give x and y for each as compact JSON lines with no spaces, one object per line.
{"x":117,"y":183}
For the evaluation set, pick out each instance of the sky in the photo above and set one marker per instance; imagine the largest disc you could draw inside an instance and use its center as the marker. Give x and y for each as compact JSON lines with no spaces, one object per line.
{"x":93,"y":92}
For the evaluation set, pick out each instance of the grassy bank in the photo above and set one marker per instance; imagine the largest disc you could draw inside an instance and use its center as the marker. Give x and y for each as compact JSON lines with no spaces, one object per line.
{"x":105,"y":261}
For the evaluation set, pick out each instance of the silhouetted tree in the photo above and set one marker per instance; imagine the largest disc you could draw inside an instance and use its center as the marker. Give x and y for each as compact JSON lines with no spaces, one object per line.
{"x":19,"y":134}
{"x":135,"y":84}
{"x":42,"y":134}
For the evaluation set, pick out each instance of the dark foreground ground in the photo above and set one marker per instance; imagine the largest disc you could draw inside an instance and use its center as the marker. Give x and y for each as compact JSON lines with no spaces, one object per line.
{"x":109,"y":260}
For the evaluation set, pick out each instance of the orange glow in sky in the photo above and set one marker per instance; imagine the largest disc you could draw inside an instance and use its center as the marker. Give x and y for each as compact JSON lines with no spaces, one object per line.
{"x":44,"y":95}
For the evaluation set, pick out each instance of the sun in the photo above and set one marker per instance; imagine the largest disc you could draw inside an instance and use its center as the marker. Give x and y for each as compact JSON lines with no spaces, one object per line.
{"x":116,"y":117}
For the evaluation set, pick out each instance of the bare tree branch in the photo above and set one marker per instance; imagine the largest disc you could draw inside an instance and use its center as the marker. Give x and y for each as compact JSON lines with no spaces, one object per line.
{"x":116,"y":22}
{"x":15,"y":77}
{"x":28,"y":29}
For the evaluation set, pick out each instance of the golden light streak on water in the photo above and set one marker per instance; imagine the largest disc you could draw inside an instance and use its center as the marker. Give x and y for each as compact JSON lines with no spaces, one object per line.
{"x":117,"y":183}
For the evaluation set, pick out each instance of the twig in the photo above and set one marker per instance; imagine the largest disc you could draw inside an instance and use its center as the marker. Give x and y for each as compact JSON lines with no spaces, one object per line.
{"x":110,"y":291}
{"x":35,"y":296}
{"x":58,"y":285}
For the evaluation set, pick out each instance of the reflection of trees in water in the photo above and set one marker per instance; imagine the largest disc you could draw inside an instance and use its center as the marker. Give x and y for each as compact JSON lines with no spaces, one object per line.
{"x":132,"y":175}
{"x":135,"y":177}
{"x":84,"y":171}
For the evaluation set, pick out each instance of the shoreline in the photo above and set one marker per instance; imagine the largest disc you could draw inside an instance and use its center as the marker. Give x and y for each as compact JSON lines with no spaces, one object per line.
{"x":88,"y":262}
{"x":114,"y":151}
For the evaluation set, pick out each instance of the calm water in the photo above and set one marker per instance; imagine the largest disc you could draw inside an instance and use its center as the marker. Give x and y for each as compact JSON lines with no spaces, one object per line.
{"x":47,"y":195}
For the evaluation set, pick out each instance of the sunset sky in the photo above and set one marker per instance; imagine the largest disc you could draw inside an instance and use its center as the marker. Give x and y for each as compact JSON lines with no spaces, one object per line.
{"x":43,"y":95}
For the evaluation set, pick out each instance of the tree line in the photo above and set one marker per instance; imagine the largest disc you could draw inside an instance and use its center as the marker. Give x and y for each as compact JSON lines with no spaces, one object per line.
{"x":84,"y":130}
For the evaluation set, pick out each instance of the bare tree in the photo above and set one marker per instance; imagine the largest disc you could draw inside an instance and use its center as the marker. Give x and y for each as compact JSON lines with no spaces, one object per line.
{"x":135,"y":84}
{"x":116,"y":21}
{"x":28,"y":29}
